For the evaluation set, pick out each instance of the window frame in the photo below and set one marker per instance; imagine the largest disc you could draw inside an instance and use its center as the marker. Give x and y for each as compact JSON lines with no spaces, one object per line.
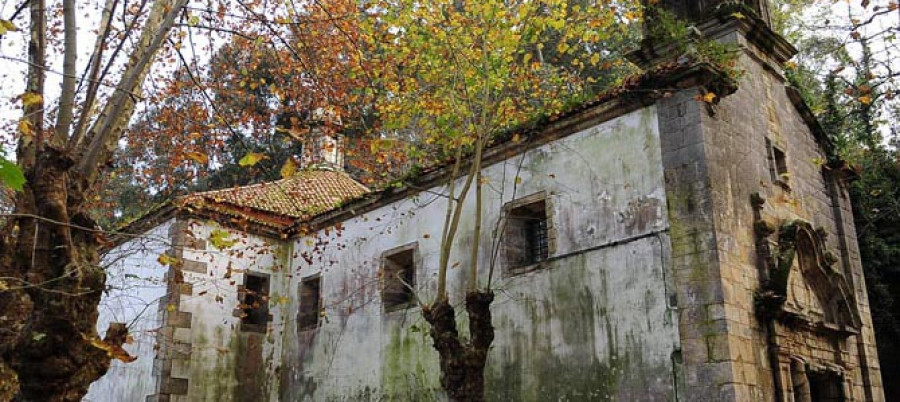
{"x":303,"y":326}
{"x":778,"y":166}
{"x":510,"y":268}
{"x":415,"y":263}
{"x":245,"y":313}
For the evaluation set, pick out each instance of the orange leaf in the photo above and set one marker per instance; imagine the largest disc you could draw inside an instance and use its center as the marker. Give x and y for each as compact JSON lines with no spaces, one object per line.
{"x":198,"y":157}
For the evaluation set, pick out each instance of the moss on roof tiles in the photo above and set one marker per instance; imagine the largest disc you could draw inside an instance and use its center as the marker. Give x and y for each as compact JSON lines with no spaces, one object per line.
{"x":306,"y":194}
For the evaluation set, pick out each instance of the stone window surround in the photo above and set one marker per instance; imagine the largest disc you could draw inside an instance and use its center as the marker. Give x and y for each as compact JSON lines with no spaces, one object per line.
{"x":239,"y":312}
{"x":416,"y":263}
{"x":777,"y":162}
{"x":509,"y":270}
{"x":319,"y":305}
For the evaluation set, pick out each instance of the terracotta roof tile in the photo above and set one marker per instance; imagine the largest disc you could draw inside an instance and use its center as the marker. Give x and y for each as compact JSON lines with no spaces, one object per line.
{"x":280,"y":202}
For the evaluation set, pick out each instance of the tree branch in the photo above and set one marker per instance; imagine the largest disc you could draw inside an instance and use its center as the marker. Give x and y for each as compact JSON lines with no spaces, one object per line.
{"x":109,"y":126}
{"x":67,"y":95}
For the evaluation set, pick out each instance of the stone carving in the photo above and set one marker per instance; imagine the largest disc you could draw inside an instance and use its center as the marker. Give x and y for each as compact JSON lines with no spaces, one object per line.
{"x":804,"y":286}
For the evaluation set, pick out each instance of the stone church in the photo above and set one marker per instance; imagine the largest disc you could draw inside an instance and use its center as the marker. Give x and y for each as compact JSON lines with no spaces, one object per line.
{"x":657,"y":244}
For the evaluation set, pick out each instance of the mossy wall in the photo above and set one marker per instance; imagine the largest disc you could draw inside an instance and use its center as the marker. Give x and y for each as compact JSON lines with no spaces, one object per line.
{"x":591,"y":324}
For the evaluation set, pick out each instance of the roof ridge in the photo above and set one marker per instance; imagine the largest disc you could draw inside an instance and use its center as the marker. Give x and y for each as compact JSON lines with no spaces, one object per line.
{"x":297,"y":176}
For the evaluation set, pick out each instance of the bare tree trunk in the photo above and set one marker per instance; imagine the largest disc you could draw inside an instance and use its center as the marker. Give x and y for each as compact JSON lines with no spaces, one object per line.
{"x":462,"y":363}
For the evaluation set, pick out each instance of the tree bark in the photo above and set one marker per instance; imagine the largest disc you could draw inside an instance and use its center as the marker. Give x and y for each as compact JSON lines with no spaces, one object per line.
{"x":462,"y":363}
{"x":55,"y":283}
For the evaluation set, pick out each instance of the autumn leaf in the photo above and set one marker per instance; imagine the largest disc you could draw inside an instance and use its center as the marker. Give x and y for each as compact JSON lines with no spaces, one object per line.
{"x":198,"y":157}
{"x":865,"y":100}
{"x":31,"y":99}
{"x":166,"y":259}
{"x":289,"y":168}
{"x":251,"y":158}
{"x":26,"y":128}
{"x":221,"y":239}
{"x":709,"y":97}
{"x":114,"y":351}
{"x":7,"y":26}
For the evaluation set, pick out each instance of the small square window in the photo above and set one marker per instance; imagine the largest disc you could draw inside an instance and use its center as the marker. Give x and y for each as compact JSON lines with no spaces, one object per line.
{"x":777,"y":163}
{"x":310,"y":303}
{"x":254,"y":302}
{"x":526,"y":233}
{"x":399,"y":267}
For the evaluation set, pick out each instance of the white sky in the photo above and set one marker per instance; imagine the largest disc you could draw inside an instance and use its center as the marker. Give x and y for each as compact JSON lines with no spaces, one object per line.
{"x":13,"y":45}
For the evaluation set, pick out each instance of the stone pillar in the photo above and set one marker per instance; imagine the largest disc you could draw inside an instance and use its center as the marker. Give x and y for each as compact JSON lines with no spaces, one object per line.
{"x":172,"y":362}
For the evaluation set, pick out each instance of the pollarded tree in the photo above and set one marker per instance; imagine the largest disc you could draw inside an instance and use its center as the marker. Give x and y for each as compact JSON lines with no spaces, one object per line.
{"x":456,"y":74}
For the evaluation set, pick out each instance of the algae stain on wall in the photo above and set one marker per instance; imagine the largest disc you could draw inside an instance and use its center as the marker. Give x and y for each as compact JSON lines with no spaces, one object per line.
{"x":409,"y":363}
{"x":212,"y":366}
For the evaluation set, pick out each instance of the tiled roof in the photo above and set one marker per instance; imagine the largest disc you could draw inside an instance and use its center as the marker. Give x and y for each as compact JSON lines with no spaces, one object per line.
{"x":279,"y":203}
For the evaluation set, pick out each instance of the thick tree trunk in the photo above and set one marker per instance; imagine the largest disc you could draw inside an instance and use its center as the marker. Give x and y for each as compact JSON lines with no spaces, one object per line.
{"x":462,"y":364}
{"x":51,"y":269}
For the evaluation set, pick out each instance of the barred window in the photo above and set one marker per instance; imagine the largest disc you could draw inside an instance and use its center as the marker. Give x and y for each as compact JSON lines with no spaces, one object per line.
{"x":526,"y":234}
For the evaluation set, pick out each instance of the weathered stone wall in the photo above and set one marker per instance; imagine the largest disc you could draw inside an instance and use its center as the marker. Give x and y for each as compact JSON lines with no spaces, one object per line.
{"x":228,"y":360}
{"x":716,"y":158}
{"x":592,"y":323}
{"x":136,"y":284}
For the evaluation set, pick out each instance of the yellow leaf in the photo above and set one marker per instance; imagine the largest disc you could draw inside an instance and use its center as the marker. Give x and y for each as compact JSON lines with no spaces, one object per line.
{"x":738,"y":15}
{"x":7,"y":26}
{"x":865,"y":100}
{"x":166,"y":259}
{"x":709,"y":97}
{"x":289,"y":168}
{"x":220,"y":239}
{"x":251,"y":158}
{"x":595,"y":58}
{"x":518,"y":180}
{"x":25,"y":128}
{"x":198,"y":157}
{"x":31,"y":99}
